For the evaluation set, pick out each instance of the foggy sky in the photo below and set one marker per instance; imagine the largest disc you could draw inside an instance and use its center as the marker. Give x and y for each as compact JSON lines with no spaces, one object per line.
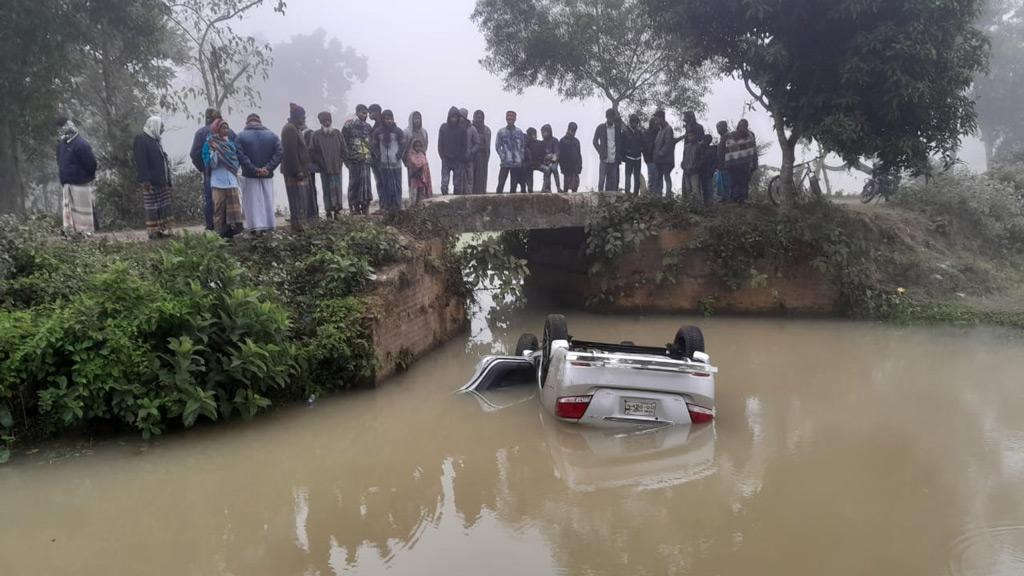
{"x":424,"y":55}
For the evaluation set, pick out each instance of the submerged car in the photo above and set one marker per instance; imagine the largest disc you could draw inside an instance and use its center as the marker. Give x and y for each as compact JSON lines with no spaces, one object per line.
{"x":605,"y":384}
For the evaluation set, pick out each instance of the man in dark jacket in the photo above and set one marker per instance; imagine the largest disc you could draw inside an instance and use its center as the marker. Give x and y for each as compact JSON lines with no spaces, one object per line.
{"x":295,"y":168}
{"x":259,"y":154}
{"x":707,"y":164}
{"x":664,"y":155}
{"x":693,"y":140}
{"x":634,"y":137}
{"x":610,"y":147}
{"x":482,"y":158}
{"x":375,"y":111}
{"x":196,"y":155}
{"x":76,"y":164}
{"x":452,"y":146}
{"x":650,"y":136}
{"x":570,"y":159}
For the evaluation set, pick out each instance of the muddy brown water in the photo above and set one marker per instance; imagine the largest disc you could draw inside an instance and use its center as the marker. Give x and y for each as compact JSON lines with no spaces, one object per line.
{"x":840,"y":448}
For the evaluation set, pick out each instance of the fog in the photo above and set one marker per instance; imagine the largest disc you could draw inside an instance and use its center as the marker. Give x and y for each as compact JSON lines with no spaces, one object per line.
{"x":424,"y":55}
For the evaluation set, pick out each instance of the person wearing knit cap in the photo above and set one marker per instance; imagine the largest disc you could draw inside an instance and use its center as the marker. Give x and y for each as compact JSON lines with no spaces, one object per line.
{"x":259,"y":153}
{"x":295,"y":168}
{"x":329,"y":153}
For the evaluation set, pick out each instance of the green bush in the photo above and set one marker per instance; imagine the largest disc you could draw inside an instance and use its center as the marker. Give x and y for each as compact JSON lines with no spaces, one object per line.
{"x":984,"y":210}
{"x":146,"y":348}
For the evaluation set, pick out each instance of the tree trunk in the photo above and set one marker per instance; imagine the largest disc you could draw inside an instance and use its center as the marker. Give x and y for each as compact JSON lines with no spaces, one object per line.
{"x":788,"y":145}
{"x":12,"y":190}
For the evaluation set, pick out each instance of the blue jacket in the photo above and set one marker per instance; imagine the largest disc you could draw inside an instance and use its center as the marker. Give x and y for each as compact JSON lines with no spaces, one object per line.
{"x":76,"y":162}
{"x":258,"y":147}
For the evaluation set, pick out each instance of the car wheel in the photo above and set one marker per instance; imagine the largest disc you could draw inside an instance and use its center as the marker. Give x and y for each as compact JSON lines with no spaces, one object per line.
{"x":555,"y":328}
{"x":527,"y":342}
{"x":689,"y":339}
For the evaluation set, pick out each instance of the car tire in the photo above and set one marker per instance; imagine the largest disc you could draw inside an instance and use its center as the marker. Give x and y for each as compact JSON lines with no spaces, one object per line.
{"x":689,"y":340}
{"x":527,"y":342}
{"x":555,"y":328}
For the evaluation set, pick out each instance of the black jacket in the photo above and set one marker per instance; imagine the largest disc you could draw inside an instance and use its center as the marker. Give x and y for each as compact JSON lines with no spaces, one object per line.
{"x":151,"y":162}
{"x":634,"y":142}
{"x":570,"y":157}
{"x":76,"y":162}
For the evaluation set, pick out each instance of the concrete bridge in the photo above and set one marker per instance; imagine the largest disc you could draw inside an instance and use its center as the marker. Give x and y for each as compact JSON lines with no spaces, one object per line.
{"x":502,"y":212}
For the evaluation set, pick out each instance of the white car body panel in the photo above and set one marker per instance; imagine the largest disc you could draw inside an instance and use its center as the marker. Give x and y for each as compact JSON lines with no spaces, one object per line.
{"x":626,"y":385}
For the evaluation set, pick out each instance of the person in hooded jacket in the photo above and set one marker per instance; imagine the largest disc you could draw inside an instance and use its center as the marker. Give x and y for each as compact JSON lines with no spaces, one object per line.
{"x":452,"y":145}
{"x":389,"y":143}
{"x":259,"y":153}
{"x":76,"y":165}
{"x":570,"y":158}
{"x":482,"y":158}
{"x":551,"y":158}
{"x":154,"y":176}
{"x":474,"y":142}
{"x":633,"y":139}
{"x":534,"y":160}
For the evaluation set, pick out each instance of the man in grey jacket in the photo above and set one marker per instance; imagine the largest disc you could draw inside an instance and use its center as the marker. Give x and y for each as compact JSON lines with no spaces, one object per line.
{"x":610,"y":146}
{"x":474,"y":142}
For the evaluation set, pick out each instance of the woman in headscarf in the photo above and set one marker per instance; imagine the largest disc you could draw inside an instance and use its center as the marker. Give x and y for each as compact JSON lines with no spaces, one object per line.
{"x":420,"y":185}
{"x":389,"y":143}
{"x":221,"y":159}
{"x":357,"y":139}
{"x":414,"y":131}
{"x":154,"y":175}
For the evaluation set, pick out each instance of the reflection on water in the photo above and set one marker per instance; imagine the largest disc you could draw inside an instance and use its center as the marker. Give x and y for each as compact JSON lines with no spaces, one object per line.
{"x":839,"y":448}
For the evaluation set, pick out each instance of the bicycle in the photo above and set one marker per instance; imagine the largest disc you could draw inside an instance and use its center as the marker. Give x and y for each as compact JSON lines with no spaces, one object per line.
{"x":808,"y":187}
{"x":881,"y":186}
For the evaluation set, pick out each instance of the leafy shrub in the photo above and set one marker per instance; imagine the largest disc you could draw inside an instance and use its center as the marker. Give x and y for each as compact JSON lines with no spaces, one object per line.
{"x":147,"y":347}
{"x":986,"y":210}
{"x":119,"y":199}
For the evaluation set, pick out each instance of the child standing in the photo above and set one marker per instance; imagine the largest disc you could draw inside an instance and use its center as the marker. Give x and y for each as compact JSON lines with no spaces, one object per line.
{"x":420,"y":185}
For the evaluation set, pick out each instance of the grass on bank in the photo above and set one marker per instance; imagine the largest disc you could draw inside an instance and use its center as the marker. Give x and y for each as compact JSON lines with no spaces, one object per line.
{"x":948,"y":250}
{"x":149,"y":336}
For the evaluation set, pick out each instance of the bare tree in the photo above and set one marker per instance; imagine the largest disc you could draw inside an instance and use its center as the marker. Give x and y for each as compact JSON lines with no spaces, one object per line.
{"x":228,"y":64}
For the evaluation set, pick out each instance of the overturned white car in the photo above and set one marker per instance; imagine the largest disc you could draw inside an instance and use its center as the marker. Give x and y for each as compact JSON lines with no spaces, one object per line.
{"x":609,"y":384}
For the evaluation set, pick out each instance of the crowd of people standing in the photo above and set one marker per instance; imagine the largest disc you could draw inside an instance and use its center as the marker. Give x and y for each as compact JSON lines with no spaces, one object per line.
{"x":238,"y":168}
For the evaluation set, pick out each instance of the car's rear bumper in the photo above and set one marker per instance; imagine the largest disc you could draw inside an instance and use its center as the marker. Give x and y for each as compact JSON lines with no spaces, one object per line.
{"x":611,"y":407}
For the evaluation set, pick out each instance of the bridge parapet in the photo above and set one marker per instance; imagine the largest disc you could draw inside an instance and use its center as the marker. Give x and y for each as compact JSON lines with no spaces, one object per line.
{"x":502,"y":212}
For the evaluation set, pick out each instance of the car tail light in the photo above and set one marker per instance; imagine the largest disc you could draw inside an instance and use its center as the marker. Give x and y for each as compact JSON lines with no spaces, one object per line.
{"x":700,"y":414}
{"x":572,"y":407}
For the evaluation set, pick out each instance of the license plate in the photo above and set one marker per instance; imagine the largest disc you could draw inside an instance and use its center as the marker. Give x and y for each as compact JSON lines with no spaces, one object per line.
{"x":644,"y":408}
